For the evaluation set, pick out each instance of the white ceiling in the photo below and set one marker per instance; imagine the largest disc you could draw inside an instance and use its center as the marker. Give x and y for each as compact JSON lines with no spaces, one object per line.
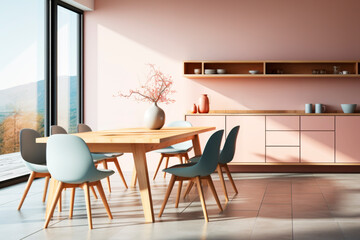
{"x":86,"y":5}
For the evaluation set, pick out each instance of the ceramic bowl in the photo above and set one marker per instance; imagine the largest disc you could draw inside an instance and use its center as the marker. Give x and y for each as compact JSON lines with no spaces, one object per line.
{"x":253,"y":71}
{"x":210,"y":71}
{"x":220,"y":71}
{"x":197,"y":71}
{"x":348,"y":108}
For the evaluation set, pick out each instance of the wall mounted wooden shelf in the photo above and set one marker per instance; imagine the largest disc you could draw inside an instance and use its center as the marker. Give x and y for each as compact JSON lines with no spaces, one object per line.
{"x":236,"y":69}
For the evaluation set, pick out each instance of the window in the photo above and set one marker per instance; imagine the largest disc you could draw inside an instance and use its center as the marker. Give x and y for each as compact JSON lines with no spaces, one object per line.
{"x":68,"y":69}
{"x":22,"y":78}
{"x":40,"y":73}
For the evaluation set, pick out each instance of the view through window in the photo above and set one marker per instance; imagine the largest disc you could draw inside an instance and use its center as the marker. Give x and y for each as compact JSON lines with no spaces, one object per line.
{"x":68,"y":66}
{"x":22,"y":85}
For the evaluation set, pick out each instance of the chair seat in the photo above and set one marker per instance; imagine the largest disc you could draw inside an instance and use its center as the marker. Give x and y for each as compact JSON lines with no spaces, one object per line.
{"x":110,"y":155}
{"x":40,"y":168}
{"x":173,"y":150}
{"x":194,"y":159}
{"x":100,"y":174}
{"x":184,"y":170}
{"x":98,"y":157}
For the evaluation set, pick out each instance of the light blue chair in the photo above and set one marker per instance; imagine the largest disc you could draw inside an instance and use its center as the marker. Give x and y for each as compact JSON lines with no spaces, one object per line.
{"x":196,"y":172}
{"x":105,"y":158}
{"x":70,"y":162}
{"x":226,"y":156}
{"x":34,"y":158}
{"x":56,"y":129}
{"x":179,"y":150}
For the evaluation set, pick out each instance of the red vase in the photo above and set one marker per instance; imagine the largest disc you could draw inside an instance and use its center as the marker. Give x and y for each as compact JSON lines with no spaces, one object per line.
{"x":194,"y":108}
{"x":203,"y":104}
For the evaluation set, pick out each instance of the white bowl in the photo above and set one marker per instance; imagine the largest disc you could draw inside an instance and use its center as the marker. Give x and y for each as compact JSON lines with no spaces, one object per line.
{"x":197,"y":71}
{"x":210,"y":71}
{"x":348,"y":108}
{"x":220,"y":71}
{"x":254,"y":71}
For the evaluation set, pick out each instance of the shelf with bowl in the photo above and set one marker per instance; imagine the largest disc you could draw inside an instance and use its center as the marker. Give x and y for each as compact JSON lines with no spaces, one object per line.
{"x":236,"y":69}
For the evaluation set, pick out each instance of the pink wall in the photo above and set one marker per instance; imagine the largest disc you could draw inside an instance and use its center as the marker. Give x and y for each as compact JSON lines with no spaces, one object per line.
{"x":122,"y":36}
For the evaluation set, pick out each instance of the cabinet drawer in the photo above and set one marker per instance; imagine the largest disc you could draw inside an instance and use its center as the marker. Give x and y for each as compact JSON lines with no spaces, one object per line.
{"x":282,"y":122}
{"x":317,"y":122}
{"x":283,"y":154}
{"x":282,"y":138}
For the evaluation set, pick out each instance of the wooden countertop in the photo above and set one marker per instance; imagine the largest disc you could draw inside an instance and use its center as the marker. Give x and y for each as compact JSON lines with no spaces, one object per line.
{"x":270,"y":112}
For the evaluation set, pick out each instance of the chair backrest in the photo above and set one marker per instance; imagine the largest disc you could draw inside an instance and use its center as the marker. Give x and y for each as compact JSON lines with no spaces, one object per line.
{"x":210,"y":158}
{"x":83,"y":128}
{"x":55,"y":129}
{"x":31,"y":151}
{"x":228,"y":151}
{"x":69,"y":159}
{"x":183,"y":145}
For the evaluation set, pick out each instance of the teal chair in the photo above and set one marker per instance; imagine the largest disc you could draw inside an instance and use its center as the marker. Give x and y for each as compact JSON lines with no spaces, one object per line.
{"x":196,"y":172}
{"x":98,"y":158}
{"x":179,"y":150}
{"x":70,"y":163}
{"x":105,"y":158}
{"x":34,"y":157}
{"x":226,"y":156}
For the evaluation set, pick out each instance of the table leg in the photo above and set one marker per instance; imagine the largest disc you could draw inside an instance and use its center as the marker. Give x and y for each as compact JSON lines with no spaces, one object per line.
{"x":134,"y":177}
{"x":144,"y":184}
{"x":196,"y":145}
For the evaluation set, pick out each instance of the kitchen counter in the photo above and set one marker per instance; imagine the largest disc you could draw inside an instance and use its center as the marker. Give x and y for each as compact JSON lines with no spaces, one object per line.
{"x":270,"y":113}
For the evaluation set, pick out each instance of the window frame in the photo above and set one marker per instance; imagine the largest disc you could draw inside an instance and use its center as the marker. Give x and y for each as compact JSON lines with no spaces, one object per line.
{"x":51,"y":110}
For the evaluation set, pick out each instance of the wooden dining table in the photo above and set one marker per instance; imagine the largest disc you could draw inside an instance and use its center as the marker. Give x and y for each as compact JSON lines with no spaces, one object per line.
{"x":137,"y":141}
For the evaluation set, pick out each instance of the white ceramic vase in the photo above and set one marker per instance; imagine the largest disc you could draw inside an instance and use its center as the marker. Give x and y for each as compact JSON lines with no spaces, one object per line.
{"x":154,"y":117}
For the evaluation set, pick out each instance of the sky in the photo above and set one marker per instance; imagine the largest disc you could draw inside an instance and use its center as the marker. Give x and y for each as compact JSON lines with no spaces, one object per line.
{"x":22,"y":42}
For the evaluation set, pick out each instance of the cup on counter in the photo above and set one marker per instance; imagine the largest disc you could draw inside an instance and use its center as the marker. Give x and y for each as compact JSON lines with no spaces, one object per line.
{"x":308,"y":108}
{"x":320,"y":108}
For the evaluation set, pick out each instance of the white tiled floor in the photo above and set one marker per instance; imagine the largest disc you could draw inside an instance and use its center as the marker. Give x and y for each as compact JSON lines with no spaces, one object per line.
{"x":268,"y":206}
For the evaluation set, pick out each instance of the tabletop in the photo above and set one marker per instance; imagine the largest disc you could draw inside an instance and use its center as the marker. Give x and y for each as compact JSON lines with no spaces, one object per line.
{"x":137,"y":135}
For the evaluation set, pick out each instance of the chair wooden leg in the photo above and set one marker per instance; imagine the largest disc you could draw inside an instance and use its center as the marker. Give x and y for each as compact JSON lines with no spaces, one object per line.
{"x":88,"y":204}
{"x":103,"y":198}
{"x":46,"y":187}
{"x":180,"y":158}
{"x":167,"y":194}
{"x":178,"y":194}
{"x":107,"y":178}
{"x":93,"y":192}
{"x":188,"y":188}
{"x":72,"y":199}
{"x":117,"y":165}
{"x":60,"y":203}
{"x":213,"y":190}
{"x":166,"y":165}
{"x":230,"y":178}
{"x":222,"y":182}
{"x":202,"y":199}
{"x":158,"y":166}
{"x":28,"y":185}
{"x":186,"y":157}
{"x":53,"y":204}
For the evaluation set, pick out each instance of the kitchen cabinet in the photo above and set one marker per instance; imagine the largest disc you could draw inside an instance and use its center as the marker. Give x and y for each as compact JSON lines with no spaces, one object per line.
{"x":348,"y":139}
{"x":282,"y":154}
{"x":282,"y":123}
{"x":317,"y":123}
{"x":250,"y":144}
{"x":317,"y":146}
{"x":211,"y":121}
